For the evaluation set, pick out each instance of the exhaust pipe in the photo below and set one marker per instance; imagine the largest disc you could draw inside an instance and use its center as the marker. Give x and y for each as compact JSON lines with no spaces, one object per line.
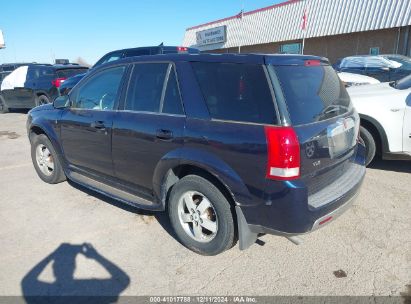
{"x":295,"y":239}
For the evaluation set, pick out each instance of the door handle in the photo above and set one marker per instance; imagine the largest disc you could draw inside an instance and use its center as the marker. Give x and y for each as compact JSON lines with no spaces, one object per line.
{"x":164,"y":134}
{"x":98,"y":125}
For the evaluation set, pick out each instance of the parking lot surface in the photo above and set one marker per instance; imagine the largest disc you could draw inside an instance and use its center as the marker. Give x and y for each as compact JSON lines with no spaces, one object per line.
{"x":367,"y":251}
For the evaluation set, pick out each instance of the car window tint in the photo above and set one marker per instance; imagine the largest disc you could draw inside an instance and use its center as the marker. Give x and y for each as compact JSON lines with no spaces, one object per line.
{"x":33,"y":72}
{"x":146,"y":87}
{"x":138,"y":52}
{"x":312,"y":93}
{"x":238,"y":92}
{"x":109,"y":58}
{"x":172,"y":100}
{"x":100,"y":91}
{"x":66,"y":73}
{"x":47,"y":72}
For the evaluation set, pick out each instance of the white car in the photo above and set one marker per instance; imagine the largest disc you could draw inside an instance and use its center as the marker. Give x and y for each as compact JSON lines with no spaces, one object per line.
{"x":351,"y":79}
{"x":385,"y":111}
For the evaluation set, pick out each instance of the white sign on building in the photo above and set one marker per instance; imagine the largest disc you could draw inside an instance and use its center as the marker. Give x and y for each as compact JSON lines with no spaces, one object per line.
{"x":2,"y":43}
{"x":212,"y":36}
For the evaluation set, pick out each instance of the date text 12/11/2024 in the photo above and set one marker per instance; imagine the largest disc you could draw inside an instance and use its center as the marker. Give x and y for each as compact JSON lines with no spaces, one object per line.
{"x":203,"y":299}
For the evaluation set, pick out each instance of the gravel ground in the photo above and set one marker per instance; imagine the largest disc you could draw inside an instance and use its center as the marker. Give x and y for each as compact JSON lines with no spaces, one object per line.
{"x":367,"y":251}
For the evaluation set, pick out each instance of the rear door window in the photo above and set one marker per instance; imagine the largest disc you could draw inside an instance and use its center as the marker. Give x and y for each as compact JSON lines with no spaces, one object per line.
{"x":236,"y":92}
{"x":146,"y":87}
{"x":311,"y":93}
{"x":154,"y":88}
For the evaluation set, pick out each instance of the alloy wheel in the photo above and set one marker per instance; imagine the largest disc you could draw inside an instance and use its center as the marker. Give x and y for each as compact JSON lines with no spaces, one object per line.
{"x":44,"y":160}
{"x":197,"y":216}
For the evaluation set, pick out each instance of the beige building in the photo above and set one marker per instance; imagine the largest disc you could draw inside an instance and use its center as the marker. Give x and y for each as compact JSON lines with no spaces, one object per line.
{"x":334,"y":29}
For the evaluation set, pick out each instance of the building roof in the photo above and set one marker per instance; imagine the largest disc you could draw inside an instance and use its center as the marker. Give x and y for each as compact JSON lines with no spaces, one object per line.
{"x":282,"y":22}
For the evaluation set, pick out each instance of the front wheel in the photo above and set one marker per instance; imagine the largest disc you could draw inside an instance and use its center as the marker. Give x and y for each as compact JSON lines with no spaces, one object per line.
{"x":370,"y":146}
{"x":201,"y":216}
{"x":45,"y":160}
{"x":42,"y":100}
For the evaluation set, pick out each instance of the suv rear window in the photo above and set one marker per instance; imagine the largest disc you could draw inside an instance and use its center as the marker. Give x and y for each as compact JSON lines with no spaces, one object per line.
{"x":66,"y":73}
{"x":312,"y":93}
{"x":237,"y":92}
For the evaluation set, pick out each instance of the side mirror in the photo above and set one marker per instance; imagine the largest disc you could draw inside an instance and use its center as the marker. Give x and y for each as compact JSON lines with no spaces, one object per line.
{"x":61,"y":102}
{"x":408,"y":100}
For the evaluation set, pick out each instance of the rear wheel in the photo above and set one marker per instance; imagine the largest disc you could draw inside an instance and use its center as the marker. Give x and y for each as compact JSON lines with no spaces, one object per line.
{"x":45,"y":160}
{"x":3,"y":106}
{"x":201,"y":216}
{"x":370,"y":145}
{"x":42,"y":100}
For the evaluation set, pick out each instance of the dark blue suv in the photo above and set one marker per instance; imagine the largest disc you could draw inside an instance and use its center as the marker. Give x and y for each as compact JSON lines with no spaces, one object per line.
{"x":230,"y":145}
{"x":119,"y":54}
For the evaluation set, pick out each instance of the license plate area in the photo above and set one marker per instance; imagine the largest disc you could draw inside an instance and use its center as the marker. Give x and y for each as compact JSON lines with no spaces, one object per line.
{"x":341,"y":136}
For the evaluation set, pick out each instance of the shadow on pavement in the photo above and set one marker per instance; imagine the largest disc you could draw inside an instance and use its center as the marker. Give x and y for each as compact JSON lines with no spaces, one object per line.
{"x":67,"y":289}
{"x":22,"y":111}
{"x":403,"y":166}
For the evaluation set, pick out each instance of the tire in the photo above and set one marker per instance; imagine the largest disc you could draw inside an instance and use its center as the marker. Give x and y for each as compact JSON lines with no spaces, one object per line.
{"x":370,"y":146}
{"x":219,"y":212}
{"x":3,"y":107}
{"x":42,"y":100}
{"x":46,"y":161}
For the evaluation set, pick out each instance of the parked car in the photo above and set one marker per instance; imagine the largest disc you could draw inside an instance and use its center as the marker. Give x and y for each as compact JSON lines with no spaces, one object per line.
{"x":230,"y":145}
{"x":7,"y":68}
{"x":385,"y":68}
{"x":385,"y":111}
{"x":351,"y":79}
{"x":139,"y":51}
{"x":34,"y":84}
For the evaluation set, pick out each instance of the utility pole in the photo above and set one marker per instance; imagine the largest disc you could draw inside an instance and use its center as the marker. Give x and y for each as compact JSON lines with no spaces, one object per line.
{"x":304,"y":29}
{"x":241,"y":15}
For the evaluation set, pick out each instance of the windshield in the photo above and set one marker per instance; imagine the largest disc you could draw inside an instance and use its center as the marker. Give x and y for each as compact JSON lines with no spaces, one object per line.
{"x":403,"y":61}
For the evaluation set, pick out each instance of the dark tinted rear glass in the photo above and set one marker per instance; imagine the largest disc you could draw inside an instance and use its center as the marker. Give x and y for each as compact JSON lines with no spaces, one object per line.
{"x":8,"y":68}
{"x":146,"y":87}
{"x":312,"y":93}
{"x":39,"y":71}
{"x":66,"y":73}
{"x":138,"y":52}
{"x":238,"y":92}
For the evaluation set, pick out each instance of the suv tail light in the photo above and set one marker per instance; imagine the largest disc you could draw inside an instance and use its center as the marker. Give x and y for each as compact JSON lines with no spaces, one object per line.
{"x":313,"y":62}
{"x":58,"y":81}
{"x":283,"y":153}
{"x":182,"y":49}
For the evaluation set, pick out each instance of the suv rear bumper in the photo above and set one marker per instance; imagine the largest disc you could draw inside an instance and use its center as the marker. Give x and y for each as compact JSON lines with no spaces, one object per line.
{"x":290,"y":213}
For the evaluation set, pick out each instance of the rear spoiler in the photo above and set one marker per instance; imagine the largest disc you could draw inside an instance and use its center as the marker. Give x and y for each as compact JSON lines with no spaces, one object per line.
{"x":295,"y":60}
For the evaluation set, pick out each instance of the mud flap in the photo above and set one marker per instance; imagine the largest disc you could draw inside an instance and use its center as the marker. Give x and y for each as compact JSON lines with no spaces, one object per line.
{"x":245,"y":235}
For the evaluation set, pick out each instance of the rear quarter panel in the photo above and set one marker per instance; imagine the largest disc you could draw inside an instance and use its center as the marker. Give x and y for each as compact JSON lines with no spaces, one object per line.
{"x":236,"y":153}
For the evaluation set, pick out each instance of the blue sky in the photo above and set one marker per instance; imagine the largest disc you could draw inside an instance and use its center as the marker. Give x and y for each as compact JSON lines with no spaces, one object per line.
{"x":44,"y":29}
